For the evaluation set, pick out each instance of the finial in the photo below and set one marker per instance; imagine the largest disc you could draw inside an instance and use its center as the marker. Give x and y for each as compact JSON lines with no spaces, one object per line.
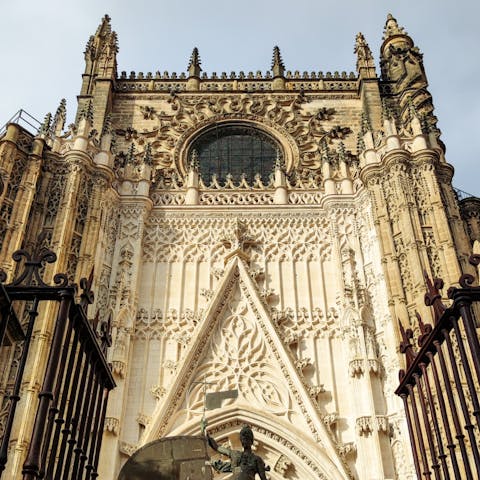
{"x":278,"y":68}
{"x":366,"y":127}
{"x":279,"y":162}
{"x":87,"y":111}
{"x":387,"y":112}
{"x":194,"y":68}
{"x":325,"y":151}
{"x":130,"y":158}
{"x":103,"y":36}
{"x":44,"y":129}
{"x":104,"y":28}
{"x":60,"y":117}
{"x":147,"y":154}
{"x":194,"y":163}
{"x":364,"y":57}
{"x":107,"y":125}
{"x":392,"y":28}
{"x":360,"y":143}
{"x":342,"y":154}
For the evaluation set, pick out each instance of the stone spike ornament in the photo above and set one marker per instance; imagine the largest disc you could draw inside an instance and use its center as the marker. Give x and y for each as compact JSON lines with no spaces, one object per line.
{"x":45,"y":128}
{"x":147,"y":155}
{"x":387,"y":111}
{"x":278,"y":67}
{"x":130,"y":159}
{"x":325,"y":151}
{"x":194,"y":163}
{"x":87,"y":112}
{"x":60,"y":117}
{"x":107,"y":125}
{"x":366,"y":127}
{"x":392,"y":28}
{"x":279,"y":161}
{"x":194,"y":67}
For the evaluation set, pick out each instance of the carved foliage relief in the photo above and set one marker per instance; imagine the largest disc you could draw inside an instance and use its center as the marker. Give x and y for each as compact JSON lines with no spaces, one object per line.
{"x":302,"y":121}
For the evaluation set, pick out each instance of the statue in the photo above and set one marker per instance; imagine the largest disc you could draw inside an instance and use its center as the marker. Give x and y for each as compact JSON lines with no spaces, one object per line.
{"x":244,"y":465}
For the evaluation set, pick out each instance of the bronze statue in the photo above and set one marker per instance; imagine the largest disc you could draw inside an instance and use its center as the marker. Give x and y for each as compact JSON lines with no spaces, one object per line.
{"x":244,"y":465}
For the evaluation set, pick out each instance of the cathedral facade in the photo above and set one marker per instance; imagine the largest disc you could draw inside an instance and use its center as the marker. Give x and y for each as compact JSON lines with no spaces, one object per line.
{"x":253,"y":232}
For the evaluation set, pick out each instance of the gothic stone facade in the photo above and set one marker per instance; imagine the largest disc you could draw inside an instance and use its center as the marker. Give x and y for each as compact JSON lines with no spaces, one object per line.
{"x":287,"y":287}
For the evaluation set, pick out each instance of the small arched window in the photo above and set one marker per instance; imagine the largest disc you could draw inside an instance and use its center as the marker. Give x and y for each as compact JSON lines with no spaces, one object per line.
{"x":235,"y":150}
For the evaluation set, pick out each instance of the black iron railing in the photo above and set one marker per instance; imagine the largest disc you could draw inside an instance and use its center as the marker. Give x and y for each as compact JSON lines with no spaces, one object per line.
{"x":67,"y":432}
{"x":441,"y":384}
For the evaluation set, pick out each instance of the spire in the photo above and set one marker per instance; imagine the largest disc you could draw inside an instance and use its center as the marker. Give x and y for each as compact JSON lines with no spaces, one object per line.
{"x":103,"y":34}
{"x":104,"y":28}
{"x":100,"y":55}
{"x":392,"y":28}
{"x":59,"y":118}
{"x":278,"y":68}
{"x":365,"y":63}
{"x":194,"y":68}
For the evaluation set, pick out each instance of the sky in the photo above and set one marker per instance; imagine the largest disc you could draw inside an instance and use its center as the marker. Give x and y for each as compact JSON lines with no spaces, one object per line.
{"x":42,"y":44}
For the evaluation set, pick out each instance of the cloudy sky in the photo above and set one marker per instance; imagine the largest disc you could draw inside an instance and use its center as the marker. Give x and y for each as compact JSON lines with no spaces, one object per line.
{"x":42,"y":44}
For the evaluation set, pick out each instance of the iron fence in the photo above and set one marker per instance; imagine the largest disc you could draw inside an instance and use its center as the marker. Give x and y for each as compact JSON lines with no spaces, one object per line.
{"x":440,"y":386}
{"x":67,"y":432}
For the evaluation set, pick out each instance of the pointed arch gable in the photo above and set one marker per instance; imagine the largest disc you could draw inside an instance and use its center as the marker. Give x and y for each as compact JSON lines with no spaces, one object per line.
{"x":236,"y":275}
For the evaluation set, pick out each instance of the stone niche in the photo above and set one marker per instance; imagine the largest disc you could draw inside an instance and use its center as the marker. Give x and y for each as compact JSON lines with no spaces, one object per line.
{"x":170,"y":458}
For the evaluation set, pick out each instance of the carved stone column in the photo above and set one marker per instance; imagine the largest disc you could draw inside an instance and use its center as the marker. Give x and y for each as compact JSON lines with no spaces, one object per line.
{"x":8,"y":150}
{"x":101,"y":182}
{"x":134,"y":210}
{"x":21,"y":208}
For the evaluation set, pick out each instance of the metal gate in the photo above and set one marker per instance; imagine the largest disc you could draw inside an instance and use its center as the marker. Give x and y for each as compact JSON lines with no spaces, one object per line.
{"x":67,"y":432}
{"x":441,"y":385}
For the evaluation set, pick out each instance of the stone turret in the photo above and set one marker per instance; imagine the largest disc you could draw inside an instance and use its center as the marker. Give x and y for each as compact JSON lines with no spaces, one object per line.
{"x":402,"y":66}
{"x":100,"y":70}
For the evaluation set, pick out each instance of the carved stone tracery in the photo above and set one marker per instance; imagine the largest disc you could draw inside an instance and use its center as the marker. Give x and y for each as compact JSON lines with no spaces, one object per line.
{"x":281,"y":116}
